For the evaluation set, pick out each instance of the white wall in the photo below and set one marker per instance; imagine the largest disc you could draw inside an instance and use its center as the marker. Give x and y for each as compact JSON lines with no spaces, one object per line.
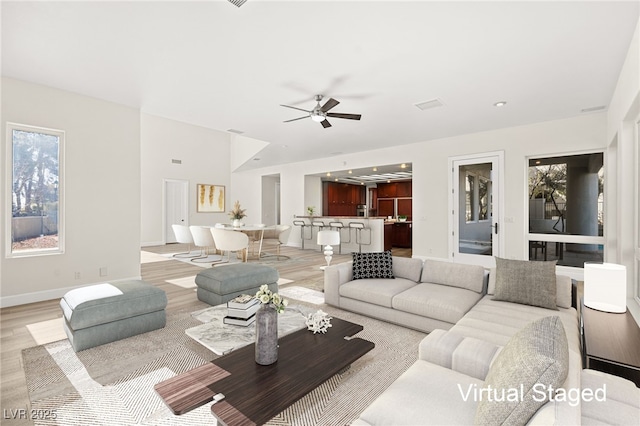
{"x":430,"y":176}
{"x":102,"y":192}
{"x":205,"y":159}
{"x":624,"y":110}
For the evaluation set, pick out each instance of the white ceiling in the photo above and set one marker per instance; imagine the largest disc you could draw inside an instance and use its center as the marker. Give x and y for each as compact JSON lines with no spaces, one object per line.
{"x":212,"y":64}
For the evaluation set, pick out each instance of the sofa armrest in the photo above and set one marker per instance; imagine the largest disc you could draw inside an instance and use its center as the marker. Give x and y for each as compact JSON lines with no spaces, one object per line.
{"x":334,"y":277}
{"x":466,"y":355}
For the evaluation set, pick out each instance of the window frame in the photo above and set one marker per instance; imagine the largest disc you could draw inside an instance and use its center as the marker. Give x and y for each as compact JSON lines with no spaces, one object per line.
{"x":9,"y":253}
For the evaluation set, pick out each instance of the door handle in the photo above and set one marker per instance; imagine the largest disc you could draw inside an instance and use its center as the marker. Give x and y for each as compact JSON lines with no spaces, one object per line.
{"x":495,"y":228}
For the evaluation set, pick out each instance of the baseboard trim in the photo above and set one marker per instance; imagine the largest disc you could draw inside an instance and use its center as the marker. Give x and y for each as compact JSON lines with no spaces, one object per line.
{"x":55,"y":293}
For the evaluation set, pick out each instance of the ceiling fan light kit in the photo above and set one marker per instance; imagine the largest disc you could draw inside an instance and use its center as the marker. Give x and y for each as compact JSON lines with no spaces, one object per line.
{"x":319,"y":114}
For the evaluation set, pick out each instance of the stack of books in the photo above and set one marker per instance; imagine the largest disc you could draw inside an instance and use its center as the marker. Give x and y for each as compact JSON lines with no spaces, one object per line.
{"x":242,"y":310}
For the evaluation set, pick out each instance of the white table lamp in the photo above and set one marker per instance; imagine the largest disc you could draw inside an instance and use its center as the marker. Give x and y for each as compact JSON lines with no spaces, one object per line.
{"x":328,"y":239}
{"x":605,"y":287}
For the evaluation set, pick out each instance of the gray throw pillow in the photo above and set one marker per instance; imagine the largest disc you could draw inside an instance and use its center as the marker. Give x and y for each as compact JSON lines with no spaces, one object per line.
{"x":526,"y":282}
{"x":535,"y":359}
{"x":372,"y":265}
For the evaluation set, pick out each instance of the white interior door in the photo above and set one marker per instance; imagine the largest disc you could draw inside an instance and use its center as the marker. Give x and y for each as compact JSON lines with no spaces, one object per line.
{"x":476,"y":208}
{"x":176,"y":206}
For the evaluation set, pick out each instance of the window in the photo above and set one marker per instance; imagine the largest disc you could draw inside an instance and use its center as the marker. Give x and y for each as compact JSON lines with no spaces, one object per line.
{"x":36,"y":158}
{"x":566,"y":215}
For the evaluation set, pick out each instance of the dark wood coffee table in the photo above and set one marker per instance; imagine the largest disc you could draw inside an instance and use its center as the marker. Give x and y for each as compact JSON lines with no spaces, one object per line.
{"x":255,"y":393}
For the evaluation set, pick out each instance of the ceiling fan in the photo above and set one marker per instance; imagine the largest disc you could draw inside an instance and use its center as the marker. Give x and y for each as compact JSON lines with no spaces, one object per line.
{"x":320,"y":113}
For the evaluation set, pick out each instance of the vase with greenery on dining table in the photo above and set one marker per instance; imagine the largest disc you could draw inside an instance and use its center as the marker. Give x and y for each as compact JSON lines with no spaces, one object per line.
{"x":237,"y":214}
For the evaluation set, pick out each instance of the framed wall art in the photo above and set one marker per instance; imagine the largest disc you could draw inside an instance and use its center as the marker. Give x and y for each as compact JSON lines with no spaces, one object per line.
{"x":210,"y":198}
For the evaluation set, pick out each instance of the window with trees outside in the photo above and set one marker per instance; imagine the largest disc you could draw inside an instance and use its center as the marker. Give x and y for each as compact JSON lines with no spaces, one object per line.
{"x":566,"y":215}
{"x":36,"y":156}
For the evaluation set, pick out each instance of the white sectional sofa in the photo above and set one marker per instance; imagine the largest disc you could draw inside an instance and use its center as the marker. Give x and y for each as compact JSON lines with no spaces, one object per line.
{"x":423,"y":295}
{"x":499,"y":345}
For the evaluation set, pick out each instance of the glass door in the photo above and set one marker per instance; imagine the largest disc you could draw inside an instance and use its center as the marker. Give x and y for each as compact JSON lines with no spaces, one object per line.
{"x":475,"y":225}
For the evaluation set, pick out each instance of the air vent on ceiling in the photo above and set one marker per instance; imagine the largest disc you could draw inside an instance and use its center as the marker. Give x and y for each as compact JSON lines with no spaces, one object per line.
{"x":238,"y":132}
{"x":174,"y":161}
{"x":237,"y":2}
{"x":433,"y":103}
{"x":594,"y":109}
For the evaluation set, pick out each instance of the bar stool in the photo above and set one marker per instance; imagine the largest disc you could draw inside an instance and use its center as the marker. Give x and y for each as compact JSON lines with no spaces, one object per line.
{"x":339,"y":226}
{"x":302,"y":224}
{"x":359,"y":227}
{"x":317,"y":224}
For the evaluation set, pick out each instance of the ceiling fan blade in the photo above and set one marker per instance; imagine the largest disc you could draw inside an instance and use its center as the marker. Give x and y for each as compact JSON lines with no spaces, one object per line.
{"x":347,"y":116}
{"x":329,"y":104}
{"x":294,"y":119}
{"x":292,"y":107}
{"x":325,"y":124}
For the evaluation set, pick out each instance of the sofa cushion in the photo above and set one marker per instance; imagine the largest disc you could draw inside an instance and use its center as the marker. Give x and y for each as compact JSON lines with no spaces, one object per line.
{"x":372,"y":265}
{"x":433,"y":394}
{"x":470,"y":277}
{"x":407,"y":267}
{"x":534,"y":360}
{"x":526,"y":282}
{"x":437,"y":301}
{"x":377,"y":291}
{"x":563,"y":288}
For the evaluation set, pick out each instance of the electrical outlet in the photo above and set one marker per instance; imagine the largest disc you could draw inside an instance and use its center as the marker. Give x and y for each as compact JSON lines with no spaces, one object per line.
{"x":103,"y":271}
{"x":77,"y":275}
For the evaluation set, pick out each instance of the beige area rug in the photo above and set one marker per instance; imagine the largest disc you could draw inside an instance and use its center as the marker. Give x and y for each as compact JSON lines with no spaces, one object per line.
{"x":214,"y":260}
{"x":113,"y":383}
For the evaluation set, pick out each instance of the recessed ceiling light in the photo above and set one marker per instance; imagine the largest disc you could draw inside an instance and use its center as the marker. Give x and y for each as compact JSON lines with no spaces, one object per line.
{"x":285,"y":146}
{"x":375,"y":169}
{"x":328,"y":173}
{"x":500,"y":103}
{"x":350,"y":171}
{"x":403,"y":166}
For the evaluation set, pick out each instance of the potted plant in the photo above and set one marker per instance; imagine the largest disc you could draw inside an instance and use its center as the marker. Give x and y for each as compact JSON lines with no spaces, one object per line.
{"x":311,"y":210}
{"x":237,"y":214}
{"x":402,"y":218}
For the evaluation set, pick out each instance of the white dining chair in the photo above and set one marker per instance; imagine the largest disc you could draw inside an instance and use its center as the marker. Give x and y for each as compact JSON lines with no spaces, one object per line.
{"x":281,"y":237}
{"x":231,"y":241}
{"x":183,"y":236}
{"x":203,"y":239}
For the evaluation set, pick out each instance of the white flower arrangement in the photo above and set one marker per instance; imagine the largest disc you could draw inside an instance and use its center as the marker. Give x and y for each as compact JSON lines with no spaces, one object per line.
{"x":264,"y":295}
{"x":318,"y":322}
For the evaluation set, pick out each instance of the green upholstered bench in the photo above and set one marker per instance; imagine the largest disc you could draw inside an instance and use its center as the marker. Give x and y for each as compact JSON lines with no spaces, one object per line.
{"x":222,"y":283}
{"x":103,"y":313}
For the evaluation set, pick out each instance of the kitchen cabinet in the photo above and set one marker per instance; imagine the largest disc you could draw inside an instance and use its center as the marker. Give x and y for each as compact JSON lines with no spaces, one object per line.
{"x":386,"y":207}
{"x":403,"y":188}
{"x":342,"y":199}
{"x":404,"y":207}
{"x":401,"y":234}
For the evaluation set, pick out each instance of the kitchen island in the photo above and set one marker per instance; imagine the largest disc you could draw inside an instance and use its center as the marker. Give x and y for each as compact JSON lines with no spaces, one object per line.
{"x":372,"y":236}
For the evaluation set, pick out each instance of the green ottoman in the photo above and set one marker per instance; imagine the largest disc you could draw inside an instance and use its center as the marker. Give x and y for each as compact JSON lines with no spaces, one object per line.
{"x":103,"y":313}
{"x":222,"y":283}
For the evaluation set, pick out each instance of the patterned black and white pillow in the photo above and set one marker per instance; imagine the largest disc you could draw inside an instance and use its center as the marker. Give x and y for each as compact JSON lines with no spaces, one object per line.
{"x":372,"y":265}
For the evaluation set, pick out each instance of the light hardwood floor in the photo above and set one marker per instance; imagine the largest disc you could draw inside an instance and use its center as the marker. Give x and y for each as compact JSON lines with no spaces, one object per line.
{"x":15,"y":337}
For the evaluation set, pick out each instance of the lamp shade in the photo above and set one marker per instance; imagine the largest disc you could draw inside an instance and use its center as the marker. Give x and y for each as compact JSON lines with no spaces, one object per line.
{"x":328,"y":238}
{"x":605,"y":287}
